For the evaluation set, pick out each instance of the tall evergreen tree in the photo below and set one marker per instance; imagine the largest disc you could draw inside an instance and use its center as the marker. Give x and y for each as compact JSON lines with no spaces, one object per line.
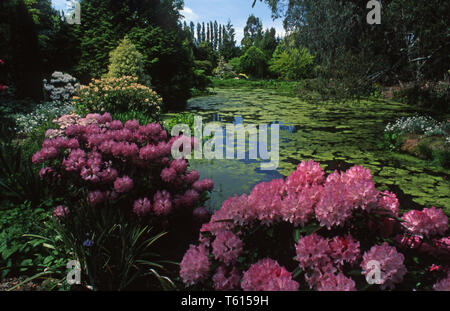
{"x":203,"y":33}
{"x":252,"y":31}
{"x":216,"y":36}
{"x":220,"y":36}
{"x":199,"y":33}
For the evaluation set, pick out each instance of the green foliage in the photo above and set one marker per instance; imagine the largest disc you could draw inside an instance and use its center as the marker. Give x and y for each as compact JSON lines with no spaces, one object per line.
{"x":338,"y":34}
{"x":19,"y":180}
{"x":118,"y":95}
{"x":235,"y":64}
{"x":168,"y":60}
{"x":292,"y":64}
{"x":252,"y":32}
{"x":126,"y":60}
{"x":121,"y":252}
{"x":40,"y":118}
{"x":19,"y":253}
{"x":204,"y":65}
{"x":202,"y":81}
{"x":254,"y":62}
{"x":435,"y":95}
{"x":224,"y":70}
{"x":179,"y":118}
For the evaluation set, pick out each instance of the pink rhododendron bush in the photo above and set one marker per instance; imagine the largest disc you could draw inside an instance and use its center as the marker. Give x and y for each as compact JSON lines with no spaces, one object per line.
{"x":317,"y":232}
{"x":120,"y":192}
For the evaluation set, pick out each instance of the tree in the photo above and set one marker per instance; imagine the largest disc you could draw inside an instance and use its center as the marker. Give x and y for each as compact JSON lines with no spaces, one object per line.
{"x":199,"y":33}
{"x":254,"y":62}
{"x":268,"y":42}
{"x":229,"y":49}
{"x":21,"y":49}
{"x":252,"y":31}
{"x":126,"y":60}
{"x":411,"y":44}
{"x":216,"y":36}
{"x":203,"y":33}
{"x":292,"y":63}
{"x":167,"y":55}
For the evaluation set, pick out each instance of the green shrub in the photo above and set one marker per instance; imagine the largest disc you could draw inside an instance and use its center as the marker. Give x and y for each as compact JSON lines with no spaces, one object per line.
{"x":235,"y":64}
{"x":434,"y":95}
{"x":204,"y":65}
{"x":23,"y":251}
{"x":126,"y":60}
{"x":254,"y":62}
{"x":118,"y":95}
{"x":292,"y":64}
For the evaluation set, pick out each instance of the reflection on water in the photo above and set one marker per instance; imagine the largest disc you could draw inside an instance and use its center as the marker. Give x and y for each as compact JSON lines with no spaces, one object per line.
{"x":336,"y":135}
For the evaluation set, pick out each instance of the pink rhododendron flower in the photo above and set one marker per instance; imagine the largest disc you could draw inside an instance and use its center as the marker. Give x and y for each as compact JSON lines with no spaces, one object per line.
{"x":45,"y":154}
{"x":203,"y":185}
{"x":96,"y":197}
{"x":142,"y":207}
{"x":339,"y":282}
{"x":189,"y":198}
{"x":438,"y":219}
{"x":179,"y":165}
{"x":312,"y":251}
{"x":60,"y":211}
{"x":344,"y":249}
{"x":226,"y":281}
{"x":428,"y":222}
{"x":264,"y":201}
{"x":201,"y":214}
{"x":391,"y":264}
{"x":168,"y":175}
{"x":268,"y":275}
{"x":116,"y":125}
{"x":443,"y":285}
{"x":162,"y":205}
{"x":123,"y":184}
{"x":132,"y":125}
{"x":191,"y":177}
{"x":195,"y":265}
{"x":227,"y":247}
{"x":333,"y":208}
{"x":90,"y":173}
{"x":45,"y":172}
{"x":307,"y":173}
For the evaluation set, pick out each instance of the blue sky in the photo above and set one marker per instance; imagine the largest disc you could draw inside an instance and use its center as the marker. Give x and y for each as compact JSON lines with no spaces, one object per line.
{"x":221,"y":10}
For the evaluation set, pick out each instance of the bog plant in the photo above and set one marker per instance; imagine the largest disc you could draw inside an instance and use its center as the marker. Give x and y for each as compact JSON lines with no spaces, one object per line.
{"x":118,"y":95}
{"x":121,"y":192}
{"x":317,"y":232}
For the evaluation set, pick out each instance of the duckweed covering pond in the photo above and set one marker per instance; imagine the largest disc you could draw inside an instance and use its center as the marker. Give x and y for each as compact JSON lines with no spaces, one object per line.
{"x":336,"y":135}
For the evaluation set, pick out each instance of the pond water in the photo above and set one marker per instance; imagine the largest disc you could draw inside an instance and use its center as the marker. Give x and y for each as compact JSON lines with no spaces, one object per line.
{"x":336,"y":135}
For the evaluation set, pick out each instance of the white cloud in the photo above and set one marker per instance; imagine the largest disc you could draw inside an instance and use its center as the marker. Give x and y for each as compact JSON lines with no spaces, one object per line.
{"x":189,"y":15}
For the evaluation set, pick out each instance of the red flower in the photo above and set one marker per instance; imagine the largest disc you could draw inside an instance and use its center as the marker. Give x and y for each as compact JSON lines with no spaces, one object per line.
{"x":3,"y":88}
{"x":2,"y":62}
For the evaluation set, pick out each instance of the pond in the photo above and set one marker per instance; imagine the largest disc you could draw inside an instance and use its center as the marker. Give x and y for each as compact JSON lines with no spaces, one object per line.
{"x":336,"y":135}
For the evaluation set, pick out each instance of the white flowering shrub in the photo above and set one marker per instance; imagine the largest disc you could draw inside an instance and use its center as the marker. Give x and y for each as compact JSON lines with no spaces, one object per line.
{"x":43,"y":113}
{"x":61,"y":87}
{"x":425,"y":125}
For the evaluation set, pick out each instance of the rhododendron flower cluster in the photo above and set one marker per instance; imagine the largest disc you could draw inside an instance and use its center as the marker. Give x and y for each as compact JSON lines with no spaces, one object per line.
{"x":268,"y":275}
{"x":390,"y":261}
{"x":195,"y":265}
{"x":428,"y":222}
{"x":114,"y":161}
{"x":335,"y":219}
{"x":323,"y":257}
